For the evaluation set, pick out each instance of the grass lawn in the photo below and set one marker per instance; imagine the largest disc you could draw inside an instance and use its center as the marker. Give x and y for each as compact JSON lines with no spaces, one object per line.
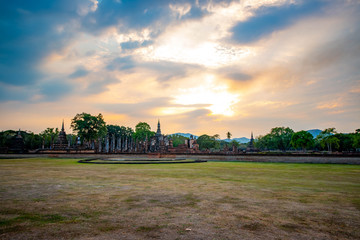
{"x":63,"y":199}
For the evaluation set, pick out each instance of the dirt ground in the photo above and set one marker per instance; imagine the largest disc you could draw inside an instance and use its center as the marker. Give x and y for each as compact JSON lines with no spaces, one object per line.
{"x":62,"y":199}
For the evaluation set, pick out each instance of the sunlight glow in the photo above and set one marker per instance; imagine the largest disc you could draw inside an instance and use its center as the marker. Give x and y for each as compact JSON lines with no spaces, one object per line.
{"x":173,"y":110}
{"x":221,"y":101}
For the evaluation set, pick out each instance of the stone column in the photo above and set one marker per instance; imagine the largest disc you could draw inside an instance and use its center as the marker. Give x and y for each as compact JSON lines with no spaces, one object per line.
{"x":113,"y":143}
{"x":118,"y":145}
{"x":146,"y":144}
{"x":107,"y":144}
{"x":100,"y":145}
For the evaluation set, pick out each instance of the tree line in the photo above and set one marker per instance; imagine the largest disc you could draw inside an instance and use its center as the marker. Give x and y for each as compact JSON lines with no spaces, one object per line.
{"x":284,"y":139}
{"x":89,"y":129}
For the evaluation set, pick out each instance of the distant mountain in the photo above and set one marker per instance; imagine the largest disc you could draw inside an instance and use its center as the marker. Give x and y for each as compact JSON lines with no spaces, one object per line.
{"x":314,"y":132}
{"x":239,"y":140}
{"x":185,"y":135}
{"x":242,"y":140}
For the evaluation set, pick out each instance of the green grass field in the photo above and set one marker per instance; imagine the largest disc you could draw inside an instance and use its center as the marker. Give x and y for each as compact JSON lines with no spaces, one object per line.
{"x":63,"y":199}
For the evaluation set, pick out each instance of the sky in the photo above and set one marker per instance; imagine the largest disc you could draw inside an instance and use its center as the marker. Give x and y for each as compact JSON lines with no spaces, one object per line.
{"x":200,"y":66}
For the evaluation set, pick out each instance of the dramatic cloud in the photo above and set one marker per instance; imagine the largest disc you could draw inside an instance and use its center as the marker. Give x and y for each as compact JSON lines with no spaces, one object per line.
{"x":201,"y":66}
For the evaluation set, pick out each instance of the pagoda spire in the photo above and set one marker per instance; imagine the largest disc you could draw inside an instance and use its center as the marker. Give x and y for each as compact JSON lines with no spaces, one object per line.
{"x":62,"y":126}
{"x":158,"y":131}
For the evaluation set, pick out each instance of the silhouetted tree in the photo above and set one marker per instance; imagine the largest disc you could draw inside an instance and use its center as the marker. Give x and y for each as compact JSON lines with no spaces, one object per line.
{"x":228,"y":135}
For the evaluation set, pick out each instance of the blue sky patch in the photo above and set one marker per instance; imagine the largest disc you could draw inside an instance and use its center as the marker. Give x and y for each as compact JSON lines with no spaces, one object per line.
{"x":270,"y":19}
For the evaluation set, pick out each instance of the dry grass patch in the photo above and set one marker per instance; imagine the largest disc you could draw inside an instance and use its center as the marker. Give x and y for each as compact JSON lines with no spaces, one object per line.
{"x":62,"y":199}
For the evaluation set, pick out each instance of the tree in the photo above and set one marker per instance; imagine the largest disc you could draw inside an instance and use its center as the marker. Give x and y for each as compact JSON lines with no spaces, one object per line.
{"x":32,"y":140}
{"x":278,"y":139}
{"x":281,"y":137}
{"x":114,"y":129}
{"x":234,"y":143}
{"x":178,"y":139}
{"x":303,"y":140}
{"x":216,"y":136}
{"x":345,"y":141}
{"x":6,"y":138}
{"x":228,"y":135}
{"x":327,"y":138}
{"x":356,"y":139}
{"x":49,"y":135}
{"x":89,"y":127}
{"x":143,"y":131}
{"x":129,"y":132}
{"x":71,"y":139}
{"x":264,"y":142}
{"x":208,"y":142}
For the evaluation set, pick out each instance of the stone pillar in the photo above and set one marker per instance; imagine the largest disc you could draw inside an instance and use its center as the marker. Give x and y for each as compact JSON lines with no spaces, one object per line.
{"x":100,"y":145}
{"x":146,"y":144}
{"x":107,"y":144}
{"x":118,"y":145}
{"x":113,"y":143}
{"x":126,"y":143}
{"x":122,"y":145}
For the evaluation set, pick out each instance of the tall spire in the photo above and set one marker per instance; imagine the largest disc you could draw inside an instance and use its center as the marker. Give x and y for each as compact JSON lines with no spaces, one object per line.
{"x":62,"y":126}
{"x":252,"y":137}
{"x":158,"y":131}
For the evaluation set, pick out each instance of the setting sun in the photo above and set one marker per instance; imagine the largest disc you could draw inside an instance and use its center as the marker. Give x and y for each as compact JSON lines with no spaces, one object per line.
{"x":208,"y":92}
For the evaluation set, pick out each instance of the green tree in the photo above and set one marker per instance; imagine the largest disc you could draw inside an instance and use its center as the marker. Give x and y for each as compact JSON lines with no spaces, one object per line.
{"x":303,"y":140}
{"x":281,"y":137}
{"x":114,"y":129}
{"x":345,"y":142}
{"x":71,"y":139}
{"x":49,"y":135}
{"x":327,"y":139}
{"x":234,"y":143}
{"x":143,"y":131}
{"x":208,"y":142}
{"x":89,"y":127}
{"x":6,"y":138}
{"x":263,"y":142}
{"x":32,"y":140}
{"x":356,"y":139}
{"x":278,"y":139}
{"x":129,"y":132}
{"x":178,"y":139}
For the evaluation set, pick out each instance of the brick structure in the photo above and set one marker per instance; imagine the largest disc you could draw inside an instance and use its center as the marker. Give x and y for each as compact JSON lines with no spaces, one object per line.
{"x":62,"y":142}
